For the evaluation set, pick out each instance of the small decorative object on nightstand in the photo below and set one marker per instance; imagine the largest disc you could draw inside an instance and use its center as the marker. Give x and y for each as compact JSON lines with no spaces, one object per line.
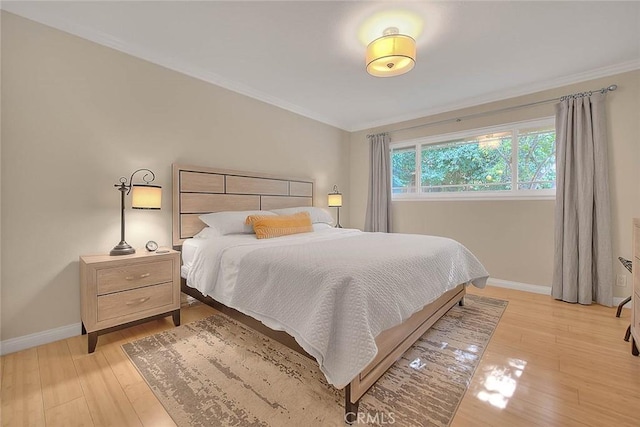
{"x":117,"y":292}
{"x":151,"y":246}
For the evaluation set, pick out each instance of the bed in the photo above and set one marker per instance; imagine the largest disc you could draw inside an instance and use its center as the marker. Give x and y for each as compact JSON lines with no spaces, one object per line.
{"x":353,"y":301}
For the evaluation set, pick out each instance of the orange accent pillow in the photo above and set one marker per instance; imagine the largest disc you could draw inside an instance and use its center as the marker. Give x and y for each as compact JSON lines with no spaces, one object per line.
{"x":267,"y":227}
{"x":251,"y":219}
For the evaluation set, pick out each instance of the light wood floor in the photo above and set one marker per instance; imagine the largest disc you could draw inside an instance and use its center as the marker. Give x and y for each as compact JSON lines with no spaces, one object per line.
{"x":548,"y":363}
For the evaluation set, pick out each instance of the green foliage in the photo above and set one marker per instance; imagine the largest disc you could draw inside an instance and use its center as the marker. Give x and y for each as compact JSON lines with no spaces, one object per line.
{"x":537,"y":160}
{"x":468,"y":166}
{"x":471,"y":165}
{"x":403,"y":165}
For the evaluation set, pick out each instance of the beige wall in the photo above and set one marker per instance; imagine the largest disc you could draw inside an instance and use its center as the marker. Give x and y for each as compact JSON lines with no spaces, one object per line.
{"x":514,"y":239}
{"x":76,"y":116}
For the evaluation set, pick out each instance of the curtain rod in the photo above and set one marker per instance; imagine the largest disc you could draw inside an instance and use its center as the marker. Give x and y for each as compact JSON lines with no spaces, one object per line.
{"x":609,"y":88}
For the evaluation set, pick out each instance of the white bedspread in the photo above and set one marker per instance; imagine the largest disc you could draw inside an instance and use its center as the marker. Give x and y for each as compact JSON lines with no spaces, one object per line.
{"x":335,"y":290}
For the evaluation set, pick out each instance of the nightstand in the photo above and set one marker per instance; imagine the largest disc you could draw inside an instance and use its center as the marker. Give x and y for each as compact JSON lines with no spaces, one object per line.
{"x":121,"y":291}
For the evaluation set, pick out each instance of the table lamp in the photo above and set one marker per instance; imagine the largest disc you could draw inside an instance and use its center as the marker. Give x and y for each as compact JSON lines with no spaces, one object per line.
{"x":335,"y":201}
{"x":143,"y":196}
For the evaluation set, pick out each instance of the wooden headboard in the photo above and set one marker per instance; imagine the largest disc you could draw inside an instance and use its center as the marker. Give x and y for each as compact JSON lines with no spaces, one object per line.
{"x":198,"y":190}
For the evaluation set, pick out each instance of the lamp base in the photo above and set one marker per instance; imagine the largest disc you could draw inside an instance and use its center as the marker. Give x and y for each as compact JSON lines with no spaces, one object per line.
{"x":122,"y":248}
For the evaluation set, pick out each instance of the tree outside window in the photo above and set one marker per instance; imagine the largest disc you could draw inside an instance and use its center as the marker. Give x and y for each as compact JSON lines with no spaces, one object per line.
{"x":489,"y":162}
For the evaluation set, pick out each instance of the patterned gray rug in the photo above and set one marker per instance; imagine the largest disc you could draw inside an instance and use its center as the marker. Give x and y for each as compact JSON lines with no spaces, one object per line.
{"x":217,"y":372}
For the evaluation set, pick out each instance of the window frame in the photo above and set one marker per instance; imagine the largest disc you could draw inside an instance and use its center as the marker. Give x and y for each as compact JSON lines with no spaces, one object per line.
{"x":513,"y":194}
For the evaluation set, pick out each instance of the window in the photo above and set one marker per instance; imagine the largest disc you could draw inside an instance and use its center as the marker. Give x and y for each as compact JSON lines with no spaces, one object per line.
{"x":510,"y":161}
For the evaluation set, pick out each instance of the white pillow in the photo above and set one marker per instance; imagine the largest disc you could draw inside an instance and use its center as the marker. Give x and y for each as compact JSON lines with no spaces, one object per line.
{"x":206,"y":233}
{"x":318,"y":215}
{"x":321,"y":226}
{"x":230,"y":222}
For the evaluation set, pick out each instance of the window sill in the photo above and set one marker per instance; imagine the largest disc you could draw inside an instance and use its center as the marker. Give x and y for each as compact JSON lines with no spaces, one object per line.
{"x":476,"y":197}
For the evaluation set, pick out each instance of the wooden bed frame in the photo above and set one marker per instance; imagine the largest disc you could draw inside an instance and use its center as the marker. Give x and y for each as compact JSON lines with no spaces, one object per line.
{"x":198,"y":190}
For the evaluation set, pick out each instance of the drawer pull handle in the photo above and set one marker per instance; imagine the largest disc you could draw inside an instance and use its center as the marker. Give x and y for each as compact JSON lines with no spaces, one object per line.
{"x":138,"y":301}
{"x":142,"y":276}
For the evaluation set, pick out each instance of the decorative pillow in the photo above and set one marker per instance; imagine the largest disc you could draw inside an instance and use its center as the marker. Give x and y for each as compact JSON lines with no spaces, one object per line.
{"x":251,"y":219}
{"x":231,"y":222}
{"x":318,"y":215}
{"x":282,"y":225}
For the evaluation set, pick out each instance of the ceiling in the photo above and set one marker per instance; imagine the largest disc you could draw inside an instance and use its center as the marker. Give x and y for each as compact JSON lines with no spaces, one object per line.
{"x":308,"y":57}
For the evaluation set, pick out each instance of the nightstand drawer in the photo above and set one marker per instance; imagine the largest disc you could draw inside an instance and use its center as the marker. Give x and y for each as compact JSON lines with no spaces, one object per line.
{"x":134,"y":301}
{"x":133,"y":276}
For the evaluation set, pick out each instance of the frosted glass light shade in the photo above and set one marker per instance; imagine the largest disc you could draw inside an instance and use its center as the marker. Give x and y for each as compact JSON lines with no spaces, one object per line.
{"x":391,"y":55}
{"x":145,"y":196}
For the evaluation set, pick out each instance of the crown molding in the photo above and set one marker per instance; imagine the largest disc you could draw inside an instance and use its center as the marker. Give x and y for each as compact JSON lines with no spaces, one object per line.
{"x":607,"y":71}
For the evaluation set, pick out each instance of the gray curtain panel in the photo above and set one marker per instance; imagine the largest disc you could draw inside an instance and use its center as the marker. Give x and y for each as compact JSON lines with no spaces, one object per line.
{"x":378,"y":216}
{"x":583,"y":262}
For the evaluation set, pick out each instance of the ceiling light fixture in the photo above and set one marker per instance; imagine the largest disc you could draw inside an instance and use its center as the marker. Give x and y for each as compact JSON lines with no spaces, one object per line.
{"x":391,"y":55}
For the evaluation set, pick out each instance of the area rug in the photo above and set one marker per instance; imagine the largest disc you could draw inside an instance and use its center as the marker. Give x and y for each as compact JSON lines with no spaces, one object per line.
{"x":218,"y":372}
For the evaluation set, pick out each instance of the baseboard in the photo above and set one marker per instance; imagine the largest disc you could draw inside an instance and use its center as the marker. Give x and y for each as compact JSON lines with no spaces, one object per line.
{"x":45,"y":337}
{"x":538,"y":289}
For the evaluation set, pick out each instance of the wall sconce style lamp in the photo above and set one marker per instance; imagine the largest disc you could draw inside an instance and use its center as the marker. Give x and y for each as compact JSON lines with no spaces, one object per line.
{"x":334,"y":200}
{"x":143,"y":196}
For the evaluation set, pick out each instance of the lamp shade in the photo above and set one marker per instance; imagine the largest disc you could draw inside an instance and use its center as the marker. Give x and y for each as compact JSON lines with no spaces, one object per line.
{"x":391,"y":55}
{"x":146,"y":196}
{"x":334,"y":200}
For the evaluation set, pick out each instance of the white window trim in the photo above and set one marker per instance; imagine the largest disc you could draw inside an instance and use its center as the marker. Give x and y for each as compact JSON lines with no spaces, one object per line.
{"x":548,"y":194}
